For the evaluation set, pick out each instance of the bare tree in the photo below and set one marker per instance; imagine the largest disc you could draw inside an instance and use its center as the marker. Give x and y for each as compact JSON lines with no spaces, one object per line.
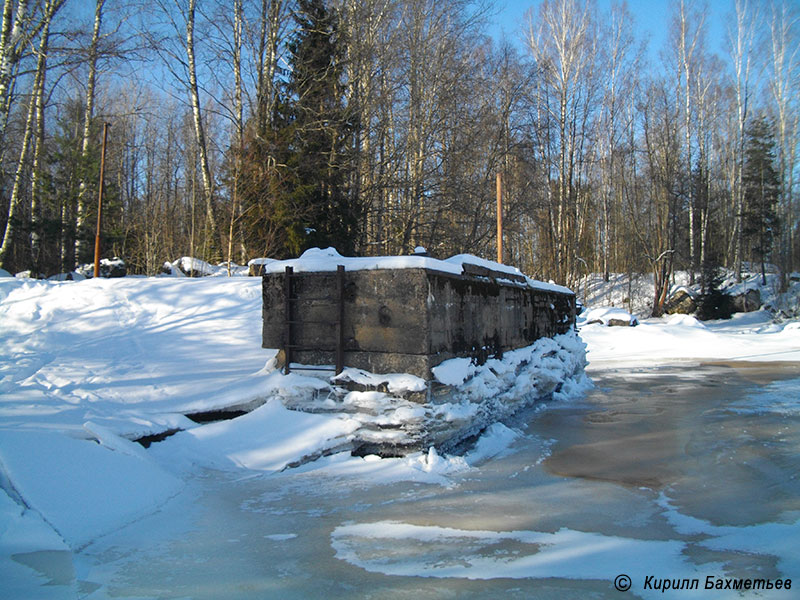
{"x":741,"y":37}
{"x":688,"y":32}
{"x":622,"y":63}
{"x":784,"y":26}
{"x":81,"y":243}
{"x":18,"y":29}
{"x":561,"y":40}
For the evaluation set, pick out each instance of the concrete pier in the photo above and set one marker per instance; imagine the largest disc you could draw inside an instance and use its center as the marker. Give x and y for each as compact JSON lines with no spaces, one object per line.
{"x":408,"y":320}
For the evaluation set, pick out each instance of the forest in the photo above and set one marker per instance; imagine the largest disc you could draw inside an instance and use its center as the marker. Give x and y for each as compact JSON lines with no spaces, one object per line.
{"x":239,"y":129}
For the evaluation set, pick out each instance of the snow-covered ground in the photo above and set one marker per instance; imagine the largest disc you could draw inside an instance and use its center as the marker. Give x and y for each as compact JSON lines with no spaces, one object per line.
{"x":751,"y":337}
{"x":87,"y":366}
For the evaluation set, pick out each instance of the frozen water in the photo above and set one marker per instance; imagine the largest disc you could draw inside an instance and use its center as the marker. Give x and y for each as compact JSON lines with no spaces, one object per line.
{"x":644,"y":476}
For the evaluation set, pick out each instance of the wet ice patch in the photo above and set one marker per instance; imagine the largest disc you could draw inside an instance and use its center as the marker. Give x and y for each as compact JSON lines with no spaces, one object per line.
{"x":781,"y":397}
{"x":281,"y":537}
{"x":403,"y":549}
{"x":766,"y":539}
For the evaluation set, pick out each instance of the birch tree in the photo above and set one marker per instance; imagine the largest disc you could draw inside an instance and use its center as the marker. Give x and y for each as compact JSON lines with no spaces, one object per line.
{"x":81,"y":240}
{"x":741,"y":37}
{"x":33,"y":121}
{"x":620,"y":76}
{"x":688,"y":31}
{"x":18,"y":29}
{"x":560,"y":38}
{"x":784,"y":66}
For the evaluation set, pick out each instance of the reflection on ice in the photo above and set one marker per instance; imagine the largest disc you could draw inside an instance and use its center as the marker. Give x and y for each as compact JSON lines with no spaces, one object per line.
{"x":403,"y":549}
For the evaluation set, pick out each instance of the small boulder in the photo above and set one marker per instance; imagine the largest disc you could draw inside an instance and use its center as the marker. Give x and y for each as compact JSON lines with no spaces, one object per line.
{"x":748,"y":301}
{"x":681,"y":302}
{"x":114,"y":267}
{"x":611,"y":316}
{"x":257,"y":266}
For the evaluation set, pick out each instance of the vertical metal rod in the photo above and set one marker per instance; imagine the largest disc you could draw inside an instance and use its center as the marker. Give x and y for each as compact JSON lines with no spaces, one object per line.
{"x":340,"y":322}
{"x":100,"y":203}
{"x":287,"y":307}
{"x":499,"y":217}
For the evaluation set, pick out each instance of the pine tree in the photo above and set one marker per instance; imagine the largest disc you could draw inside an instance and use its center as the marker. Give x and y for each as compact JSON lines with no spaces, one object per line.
{"x":761,"y":191}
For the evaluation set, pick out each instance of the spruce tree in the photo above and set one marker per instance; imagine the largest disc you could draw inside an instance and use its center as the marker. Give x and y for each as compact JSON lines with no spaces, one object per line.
{"x":713,"y":303}
{"x":761,"y":191}
{"x":296,"y":172}
{"x":318,"y":157}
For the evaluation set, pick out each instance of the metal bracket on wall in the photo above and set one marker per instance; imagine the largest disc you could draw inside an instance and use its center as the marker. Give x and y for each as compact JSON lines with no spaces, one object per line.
{"x":293,"y":318}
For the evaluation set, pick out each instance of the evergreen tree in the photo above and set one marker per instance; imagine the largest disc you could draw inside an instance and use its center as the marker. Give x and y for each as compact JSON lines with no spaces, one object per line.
{"x":296,"y":174}
{"x":761,"y":191}
{"x":318,"y":158}
{"x":713,"y":303}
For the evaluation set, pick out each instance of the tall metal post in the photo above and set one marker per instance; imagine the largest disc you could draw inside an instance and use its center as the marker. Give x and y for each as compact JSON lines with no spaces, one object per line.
{"x":499,"y":217}
{"x":100,"y":203}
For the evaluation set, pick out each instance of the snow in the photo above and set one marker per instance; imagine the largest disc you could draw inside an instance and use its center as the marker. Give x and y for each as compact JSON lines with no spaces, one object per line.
{"x":317,"y":259}
{"x":751,"y":337}
{"x":82,"y":489}
{"x":87,"y":366}
{"x":454,"y":371}
{"x":685,"y":321}
{"x":394,"y":382}
{"x":266,"y":439}
{"x":200,"y":268}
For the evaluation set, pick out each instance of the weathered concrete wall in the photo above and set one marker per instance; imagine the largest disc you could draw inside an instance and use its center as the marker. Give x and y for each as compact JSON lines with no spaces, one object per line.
{"x":410,"y":320}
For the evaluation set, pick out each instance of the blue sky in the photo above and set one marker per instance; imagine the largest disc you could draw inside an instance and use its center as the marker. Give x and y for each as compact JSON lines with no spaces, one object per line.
{"x":651,"y":19}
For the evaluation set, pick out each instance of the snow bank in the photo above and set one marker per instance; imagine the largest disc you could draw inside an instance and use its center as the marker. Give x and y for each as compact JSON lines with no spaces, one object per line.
{"x":188,"y":265}
{"x":267,"y":439}
{"x":130,"y":354}
{"x":485,"y":394}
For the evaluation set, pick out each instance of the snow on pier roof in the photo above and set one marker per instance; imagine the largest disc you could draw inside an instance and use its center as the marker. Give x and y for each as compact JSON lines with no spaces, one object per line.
{"x":317,"y":260}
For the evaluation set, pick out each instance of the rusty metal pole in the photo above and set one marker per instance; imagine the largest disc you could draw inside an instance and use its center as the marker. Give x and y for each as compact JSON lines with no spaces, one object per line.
{"x":499,"y":217}
{"x":100,"y":203}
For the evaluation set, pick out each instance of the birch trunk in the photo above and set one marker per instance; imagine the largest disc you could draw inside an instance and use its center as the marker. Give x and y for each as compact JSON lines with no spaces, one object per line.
{"x":239,"y":111}
{"x":51,"y":8}
{"x":81,"y":245}
{"x":741,"y":50}
{"x":200,"y":138}
{"x":13,"y":38}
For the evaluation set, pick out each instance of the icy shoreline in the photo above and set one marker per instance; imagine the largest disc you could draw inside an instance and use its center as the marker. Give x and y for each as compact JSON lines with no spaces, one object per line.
{"x":87,"y":366}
